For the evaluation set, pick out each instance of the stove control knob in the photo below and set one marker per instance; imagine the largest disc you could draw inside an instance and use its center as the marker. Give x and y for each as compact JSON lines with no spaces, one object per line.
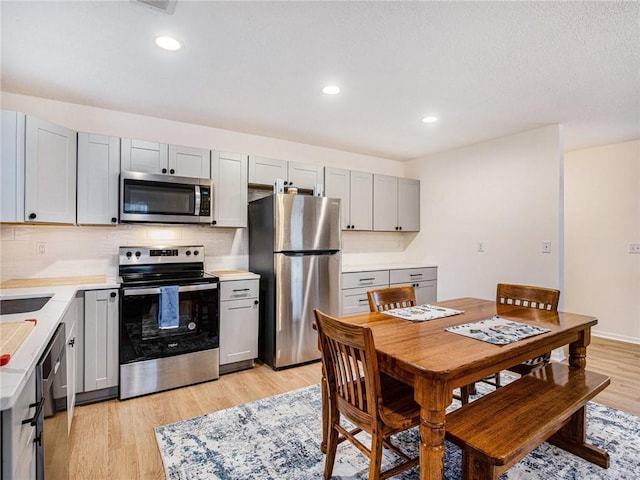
{"x":196,"y":252}
{"x":138,"y":254}
{"x":128,"y":254}
{"x":188,"y":252}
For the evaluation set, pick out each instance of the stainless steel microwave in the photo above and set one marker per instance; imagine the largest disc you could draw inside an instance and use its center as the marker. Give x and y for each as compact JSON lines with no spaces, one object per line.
{"x":149,"y":197}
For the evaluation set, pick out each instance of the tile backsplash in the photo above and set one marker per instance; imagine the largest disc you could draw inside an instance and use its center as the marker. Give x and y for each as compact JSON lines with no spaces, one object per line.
{"x":28,"y":251}
{"x":75,"y":251}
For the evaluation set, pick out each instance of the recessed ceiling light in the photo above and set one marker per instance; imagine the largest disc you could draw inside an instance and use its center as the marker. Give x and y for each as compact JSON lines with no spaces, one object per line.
{"x":331,"y":89}
{"x":168,"y":43}
{"x":429,"y":119}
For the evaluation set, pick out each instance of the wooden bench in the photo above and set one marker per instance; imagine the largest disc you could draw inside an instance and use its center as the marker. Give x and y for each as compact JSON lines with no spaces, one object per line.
{"x":499,"y":429}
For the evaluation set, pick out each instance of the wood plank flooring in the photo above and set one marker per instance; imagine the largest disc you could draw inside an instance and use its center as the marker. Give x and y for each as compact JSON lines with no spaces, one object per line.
{"x":115,"y":440}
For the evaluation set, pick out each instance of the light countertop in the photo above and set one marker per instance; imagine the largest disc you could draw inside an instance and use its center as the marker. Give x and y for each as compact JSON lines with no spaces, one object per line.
{"x":227,"y":275}
{"x":15,"y":373}
{"x":383,"y":266}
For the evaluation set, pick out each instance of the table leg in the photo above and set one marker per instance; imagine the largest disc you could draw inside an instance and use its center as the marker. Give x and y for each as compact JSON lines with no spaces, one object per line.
{"x":573,"y":436}
{"x":433,"y":398}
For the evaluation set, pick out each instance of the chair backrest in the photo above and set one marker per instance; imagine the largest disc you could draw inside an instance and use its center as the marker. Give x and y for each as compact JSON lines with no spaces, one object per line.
{"x":390,"y":298}
{"x":351,"y":367}
{"x":527,"y":296}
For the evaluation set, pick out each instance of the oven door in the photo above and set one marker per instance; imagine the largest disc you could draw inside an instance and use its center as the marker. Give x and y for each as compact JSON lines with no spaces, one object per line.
{"x":142,"y":339}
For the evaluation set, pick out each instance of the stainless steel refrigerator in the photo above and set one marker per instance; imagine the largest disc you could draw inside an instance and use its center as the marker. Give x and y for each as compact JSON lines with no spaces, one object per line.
{"x":294,"y":244}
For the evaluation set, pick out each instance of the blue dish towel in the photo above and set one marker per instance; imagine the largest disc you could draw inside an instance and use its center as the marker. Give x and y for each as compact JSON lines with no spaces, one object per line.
{"x":169,"y":316}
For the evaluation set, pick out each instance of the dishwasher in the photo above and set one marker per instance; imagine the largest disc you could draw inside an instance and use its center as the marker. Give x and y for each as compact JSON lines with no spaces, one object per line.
{"x":52,"y":436}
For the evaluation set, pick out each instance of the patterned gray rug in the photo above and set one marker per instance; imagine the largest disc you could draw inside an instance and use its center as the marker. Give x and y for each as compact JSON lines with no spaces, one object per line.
{"x":278,"y":438}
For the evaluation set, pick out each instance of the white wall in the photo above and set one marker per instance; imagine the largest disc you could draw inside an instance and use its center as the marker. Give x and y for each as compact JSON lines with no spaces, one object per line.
{"x":602,"y":198}
{"x":505,"y":192}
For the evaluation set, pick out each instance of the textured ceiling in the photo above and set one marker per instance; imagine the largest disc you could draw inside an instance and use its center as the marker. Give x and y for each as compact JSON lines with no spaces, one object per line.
{"x":486,"y":69}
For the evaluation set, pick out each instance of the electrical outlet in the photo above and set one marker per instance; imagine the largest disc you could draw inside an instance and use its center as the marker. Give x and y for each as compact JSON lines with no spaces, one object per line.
{"x":546,"y":246}
{"x":481,"y":247}
{"x":634,"y":248}
{"x":41,"y":248}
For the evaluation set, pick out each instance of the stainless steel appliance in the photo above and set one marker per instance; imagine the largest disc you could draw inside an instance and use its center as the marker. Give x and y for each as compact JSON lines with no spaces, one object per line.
{"x":294,"y":244}
{"x":148,"y":197}
{"x":52,"y":434}
{"x":154,"y":356}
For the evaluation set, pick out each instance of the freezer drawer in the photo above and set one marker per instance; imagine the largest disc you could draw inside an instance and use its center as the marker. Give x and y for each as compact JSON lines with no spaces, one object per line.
{"x":303,"y":283}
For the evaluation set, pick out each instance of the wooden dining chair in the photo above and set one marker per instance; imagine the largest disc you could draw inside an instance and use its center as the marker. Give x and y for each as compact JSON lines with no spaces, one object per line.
{"x":390,"y":298}
{"x":384,"y":299}
{"x":527,"y":296}
{"x":373,"y":402}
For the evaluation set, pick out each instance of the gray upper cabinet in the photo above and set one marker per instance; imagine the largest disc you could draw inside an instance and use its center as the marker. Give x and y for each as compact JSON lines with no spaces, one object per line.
{"x":141,"y":156}
{"x":396,"y":204}
{"x":305,"y":175}
{"x":50,"y":172}
{"x":189,"y":161}
{"x":12,"y":167}
{"x":264,"y":171}
{"x":409,"y":205}
{"x":98,"y":173}
{"x":152,"y":157}
{"x":355,"y":189}
{"x":229,"y":174}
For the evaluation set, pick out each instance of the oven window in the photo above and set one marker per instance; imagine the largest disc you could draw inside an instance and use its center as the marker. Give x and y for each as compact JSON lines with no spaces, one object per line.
{"x":158,"y":198}
{"x":141,"y":338}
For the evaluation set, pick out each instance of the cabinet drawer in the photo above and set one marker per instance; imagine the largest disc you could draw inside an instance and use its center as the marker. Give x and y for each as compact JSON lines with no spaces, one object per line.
{"x":413,"y":275}
{"x":239,"y":289}
{"x":373,"y":278}
{"x":354,"y":300}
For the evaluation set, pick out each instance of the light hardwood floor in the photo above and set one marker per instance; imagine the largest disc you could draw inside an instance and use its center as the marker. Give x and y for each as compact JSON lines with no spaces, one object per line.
{"x":115,"y":440}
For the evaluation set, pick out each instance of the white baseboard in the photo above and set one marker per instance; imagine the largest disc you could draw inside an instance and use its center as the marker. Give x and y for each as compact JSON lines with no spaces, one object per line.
{"x":615,"y":336}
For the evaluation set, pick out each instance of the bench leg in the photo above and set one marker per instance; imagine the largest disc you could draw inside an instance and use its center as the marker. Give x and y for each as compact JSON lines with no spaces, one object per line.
{"x":573,"y":438}
{"x":474,"y":467}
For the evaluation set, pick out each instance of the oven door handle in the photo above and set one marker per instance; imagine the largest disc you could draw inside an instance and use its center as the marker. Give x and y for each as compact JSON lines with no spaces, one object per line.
{"x":183,"y":288}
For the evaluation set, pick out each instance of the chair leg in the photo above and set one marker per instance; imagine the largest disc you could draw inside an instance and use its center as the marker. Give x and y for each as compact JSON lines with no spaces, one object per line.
{"x":496,"y":378}
{"x":464,"y":393}
{"x":332,"y":445}
{"x":375,"y":464}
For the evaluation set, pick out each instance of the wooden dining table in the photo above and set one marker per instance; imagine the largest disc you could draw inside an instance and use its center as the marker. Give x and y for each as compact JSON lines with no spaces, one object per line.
{"x":435,"y":362}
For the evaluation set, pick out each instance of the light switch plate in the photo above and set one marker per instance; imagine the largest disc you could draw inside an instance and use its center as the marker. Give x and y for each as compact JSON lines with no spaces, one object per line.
{"x":634,"y":248}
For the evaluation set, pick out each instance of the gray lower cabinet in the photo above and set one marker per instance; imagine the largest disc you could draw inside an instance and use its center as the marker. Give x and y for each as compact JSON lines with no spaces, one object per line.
{"x":238,"y":324}
{"x":423,"y":280}
{"x":355,"y":285}
{"x":100,"y":363}
{"x":18,"y":439}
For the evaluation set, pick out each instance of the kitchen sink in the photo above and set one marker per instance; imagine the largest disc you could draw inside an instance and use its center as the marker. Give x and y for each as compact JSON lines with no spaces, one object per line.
{"x":22,"y":305}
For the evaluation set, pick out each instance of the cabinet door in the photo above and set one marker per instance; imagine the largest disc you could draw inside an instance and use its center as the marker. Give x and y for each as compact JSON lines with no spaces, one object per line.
{"x":264,"y":171}
{"x":409,"y":205}
{"x":238,"y":330}
{"x":71,"y":323}
{"x":426,"y":292}
{"x":229,"y":174}
{"x":50,"y":176}
{"x":141,"y":156}
{"x":98,"y":171}
{"x":12,"y":167}
{"x":100,"y":339}
{"x":337,"y":185}
{"x":189,"y":162}
{"x":385,"y":203}
{"x":304,"y":175}
{"x":361,"y":208}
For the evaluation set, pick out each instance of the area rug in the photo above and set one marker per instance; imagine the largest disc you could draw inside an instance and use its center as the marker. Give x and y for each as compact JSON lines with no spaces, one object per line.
{"x":278,"y":438}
